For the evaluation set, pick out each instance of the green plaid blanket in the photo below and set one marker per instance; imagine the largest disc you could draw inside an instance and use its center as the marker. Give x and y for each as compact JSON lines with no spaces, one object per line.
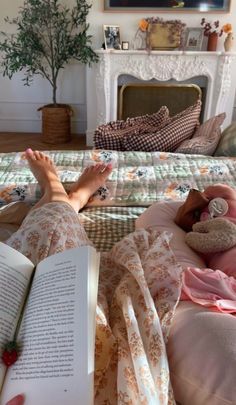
{"x":107,"y":225}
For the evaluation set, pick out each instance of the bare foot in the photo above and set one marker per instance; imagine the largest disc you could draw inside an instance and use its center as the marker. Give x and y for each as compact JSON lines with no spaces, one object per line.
{"x":90,"y":180}
{"x":44,"y":171}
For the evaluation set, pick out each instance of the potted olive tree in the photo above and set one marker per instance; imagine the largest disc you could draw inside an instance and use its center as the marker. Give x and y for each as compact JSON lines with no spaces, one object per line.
{"x":48,"y":36}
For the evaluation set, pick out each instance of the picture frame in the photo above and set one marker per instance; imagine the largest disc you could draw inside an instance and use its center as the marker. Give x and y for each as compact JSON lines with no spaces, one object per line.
{"x":112,"y":37}
{"x":161,"y":37}
{"x":206,"y":6}
{"x":125,"y":45}
{"x":194,"y":39}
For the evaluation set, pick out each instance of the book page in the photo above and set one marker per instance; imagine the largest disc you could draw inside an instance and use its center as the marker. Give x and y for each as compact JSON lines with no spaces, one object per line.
{"x":15,"y":274}
{"x":56,"y":366}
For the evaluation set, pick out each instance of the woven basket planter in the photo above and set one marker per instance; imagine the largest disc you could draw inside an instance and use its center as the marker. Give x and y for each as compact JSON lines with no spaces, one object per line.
{"x":56,"y":123}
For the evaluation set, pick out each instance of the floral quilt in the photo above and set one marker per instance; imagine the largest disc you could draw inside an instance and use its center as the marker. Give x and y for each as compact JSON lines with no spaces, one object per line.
{"x":138,"y":178}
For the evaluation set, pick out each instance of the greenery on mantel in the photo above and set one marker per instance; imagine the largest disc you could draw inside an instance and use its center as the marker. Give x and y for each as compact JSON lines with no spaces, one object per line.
{"x":48,"y":36}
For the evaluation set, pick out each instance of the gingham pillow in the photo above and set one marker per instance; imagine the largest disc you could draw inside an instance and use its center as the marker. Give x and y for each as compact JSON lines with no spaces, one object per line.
{"x":179,"y":128}
{"x":205,"y":139}
{"x":227,"y":144}
{"x":109,"y":136}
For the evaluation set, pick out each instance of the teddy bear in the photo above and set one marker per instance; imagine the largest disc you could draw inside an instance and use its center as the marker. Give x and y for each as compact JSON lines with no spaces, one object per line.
{"x":214,"y":232}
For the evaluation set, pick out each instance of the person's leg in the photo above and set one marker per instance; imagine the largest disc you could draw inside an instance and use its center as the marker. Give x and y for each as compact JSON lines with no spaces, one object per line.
{"x":52,"y":189}
{"x":53,"y":224}
{"x":90,"y":180}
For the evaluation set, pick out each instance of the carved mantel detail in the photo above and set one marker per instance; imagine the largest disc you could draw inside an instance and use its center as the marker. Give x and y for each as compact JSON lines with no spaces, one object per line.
{"x":162,"y":66}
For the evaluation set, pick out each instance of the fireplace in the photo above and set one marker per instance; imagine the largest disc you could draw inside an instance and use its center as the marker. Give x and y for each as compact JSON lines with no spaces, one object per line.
{"x":214,"y":69}
{"x":139,"y":98}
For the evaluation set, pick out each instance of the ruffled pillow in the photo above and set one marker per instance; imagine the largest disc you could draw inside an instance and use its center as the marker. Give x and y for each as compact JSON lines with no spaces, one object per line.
{"x":110,"y":135}
{"x":205,"y":139}
{"x":167,"y":139}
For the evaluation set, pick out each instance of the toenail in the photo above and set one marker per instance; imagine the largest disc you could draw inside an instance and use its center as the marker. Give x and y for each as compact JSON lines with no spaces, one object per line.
{"x":29,"y":150}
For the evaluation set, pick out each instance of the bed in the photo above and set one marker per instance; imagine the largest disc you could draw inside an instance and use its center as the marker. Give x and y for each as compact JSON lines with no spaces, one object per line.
{"x":138,"y":180}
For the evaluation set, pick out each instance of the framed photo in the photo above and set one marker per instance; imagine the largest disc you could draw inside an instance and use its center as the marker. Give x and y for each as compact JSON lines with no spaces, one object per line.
{"x":112,"y":36}
{"x":194,"y":39}
{"x":163,"y":36}
{"x":168,"y":5}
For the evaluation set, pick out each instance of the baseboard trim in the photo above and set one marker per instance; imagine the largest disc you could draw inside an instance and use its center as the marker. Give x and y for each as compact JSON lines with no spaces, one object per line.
{"x":34,"y":125}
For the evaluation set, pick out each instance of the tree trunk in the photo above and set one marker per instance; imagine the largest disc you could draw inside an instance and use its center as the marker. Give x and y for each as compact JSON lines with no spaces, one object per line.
{"x":54,"y":98}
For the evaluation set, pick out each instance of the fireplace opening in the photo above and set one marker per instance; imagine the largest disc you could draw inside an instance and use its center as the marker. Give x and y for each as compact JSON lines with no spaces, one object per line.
{"x":137,"y":97}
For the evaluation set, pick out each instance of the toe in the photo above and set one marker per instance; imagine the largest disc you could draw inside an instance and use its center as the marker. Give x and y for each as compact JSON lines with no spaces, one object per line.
{"x":97,"y":167}
{"x":45,"y":157}
{"x":37,"y":155}
{"x":102,"y":167}
{"x":107,"y":170}
{"x":29,"y":154}
{"x":49,"y":161}
{"x":41,"y":155}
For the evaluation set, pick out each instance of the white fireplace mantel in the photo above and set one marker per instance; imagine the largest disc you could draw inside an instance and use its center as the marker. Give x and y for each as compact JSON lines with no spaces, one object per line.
{"x":102,"y":79}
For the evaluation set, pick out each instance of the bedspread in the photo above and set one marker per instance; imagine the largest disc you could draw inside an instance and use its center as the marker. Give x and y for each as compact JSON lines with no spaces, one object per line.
{"x":138,"y":178}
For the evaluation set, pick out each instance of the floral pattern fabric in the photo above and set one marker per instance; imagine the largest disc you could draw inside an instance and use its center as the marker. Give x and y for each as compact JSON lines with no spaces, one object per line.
{"x":139,"y":288}
{"x":137,"y":178}
{"x":47,"y":230}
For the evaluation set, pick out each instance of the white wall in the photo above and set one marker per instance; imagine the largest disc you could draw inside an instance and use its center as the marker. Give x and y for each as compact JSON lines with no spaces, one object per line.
{"x":19,"y":104}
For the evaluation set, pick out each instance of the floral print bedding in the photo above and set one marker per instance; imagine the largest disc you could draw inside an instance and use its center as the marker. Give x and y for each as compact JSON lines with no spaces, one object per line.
{"x":137,"y":179}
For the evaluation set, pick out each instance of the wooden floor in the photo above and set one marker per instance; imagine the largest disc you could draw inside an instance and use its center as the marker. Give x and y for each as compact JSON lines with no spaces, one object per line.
{"x":18,"y":142}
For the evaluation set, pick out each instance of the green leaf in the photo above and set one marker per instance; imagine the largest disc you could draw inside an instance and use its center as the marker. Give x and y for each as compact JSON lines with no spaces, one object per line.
{"x":48,"y":36}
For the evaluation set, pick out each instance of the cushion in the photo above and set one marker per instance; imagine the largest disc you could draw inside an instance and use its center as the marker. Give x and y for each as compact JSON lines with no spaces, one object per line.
{"x":167,"y":139}
{"x":202,"y":355}
{"x":109,"y":136}
{"x":227,"y":144}
{"x":161,"y":216}
{"x":205,"y":139}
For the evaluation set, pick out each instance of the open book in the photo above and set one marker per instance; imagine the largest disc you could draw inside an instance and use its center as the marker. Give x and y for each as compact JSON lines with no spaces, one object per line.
{"x":56,"y":336}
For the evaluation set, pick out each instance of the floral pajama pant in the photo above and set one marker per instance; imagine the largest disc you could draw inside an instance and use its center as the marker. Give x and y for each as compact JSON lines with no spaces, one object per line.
{"x":139,"y":288}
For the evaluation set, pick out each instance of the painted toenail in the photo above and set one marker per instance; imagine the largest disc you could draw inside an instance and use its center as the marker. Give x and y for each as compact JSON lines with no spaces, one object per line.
{"x":29,"y":150}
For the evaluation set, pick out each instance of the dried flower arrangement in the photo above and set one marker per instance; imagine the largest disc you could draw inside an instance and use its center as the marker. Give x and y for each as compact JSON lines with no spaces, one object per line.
{"x":214,"y":28}
{"x":175,"y":27}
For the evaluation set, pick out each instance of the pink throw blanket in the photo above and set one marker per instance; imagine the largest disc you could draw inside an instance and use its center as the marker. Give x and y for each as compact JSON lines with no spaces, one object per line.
{"x":210,"y":288}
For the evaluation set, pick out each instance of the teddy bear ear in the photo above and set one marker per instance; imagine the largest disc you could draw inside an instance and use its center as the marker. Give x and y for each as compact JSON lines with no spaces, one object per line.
{"x":189,"y":213}
{"x":200,"y":242}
